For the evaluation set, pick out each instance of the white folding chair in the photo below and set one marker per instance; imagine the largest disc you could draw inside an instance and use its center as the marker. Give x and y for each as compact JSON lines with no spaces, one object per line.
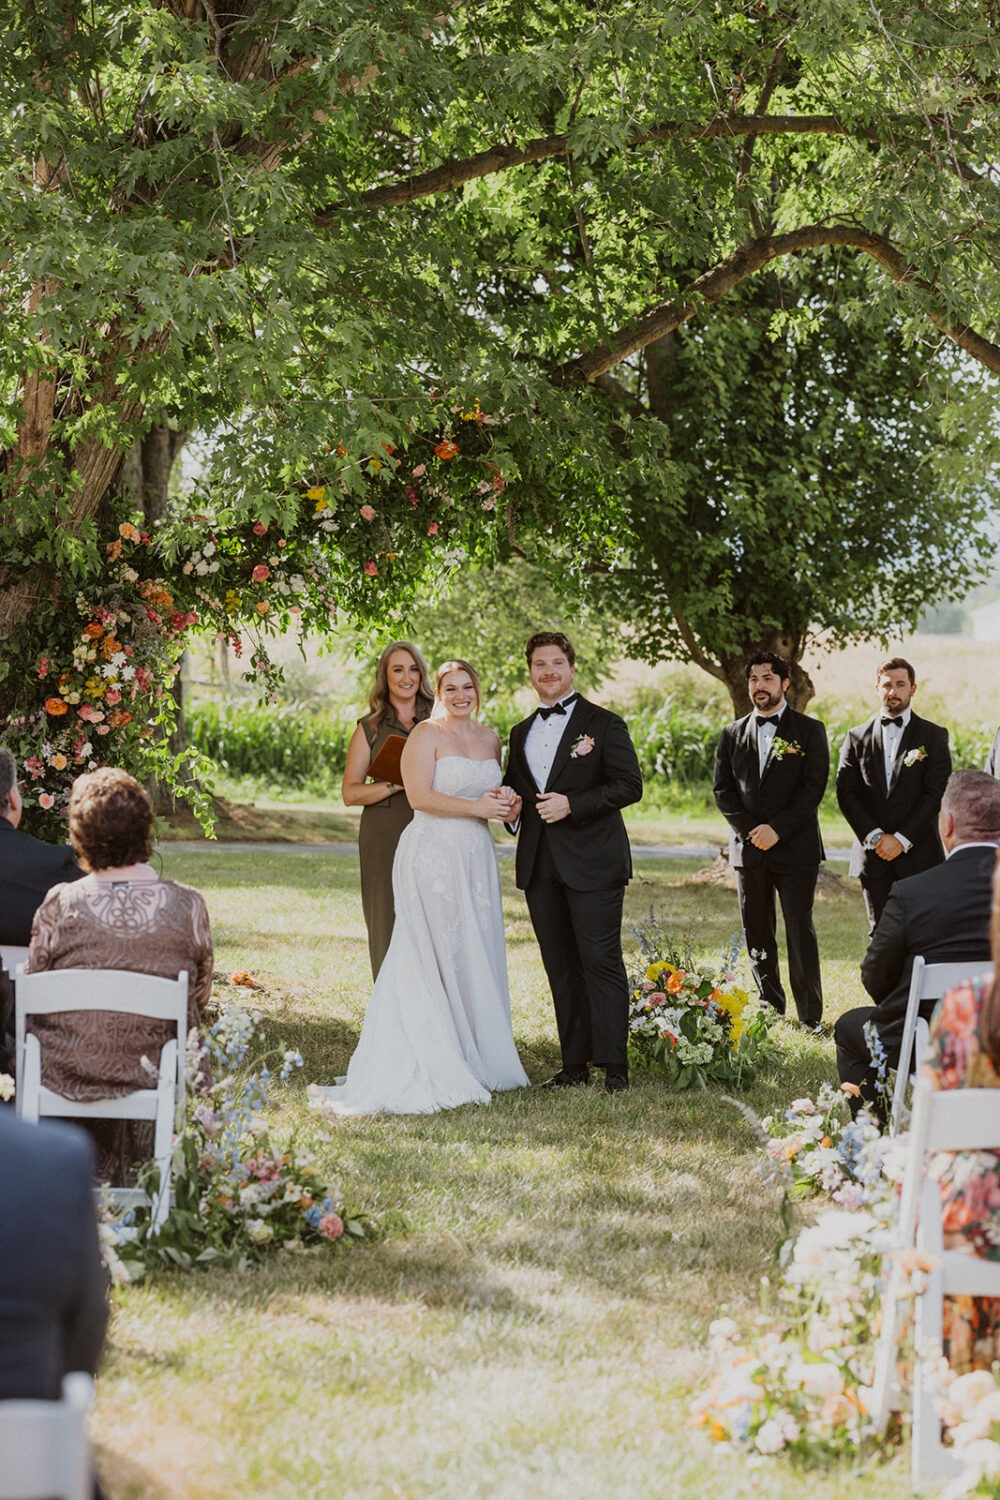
{"x":43,"y":1445}
{"x":945,"y":1120}
{"x":11,"y":954}
{"x":927,"y":982}
{"x":120,"y":990}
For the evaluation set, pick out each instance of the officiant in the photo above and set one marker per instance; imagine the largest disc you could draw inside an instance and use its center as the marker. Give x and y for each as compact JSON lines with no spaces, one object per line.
{"x":400,"y":697}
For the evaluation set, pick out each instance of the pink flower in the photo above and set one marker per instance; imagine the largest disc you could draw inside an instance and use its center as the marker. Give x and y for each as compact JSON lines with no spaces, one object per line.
{"x":583,"y":746}
{"x":367,"y":512}
{"x":259,"y":528}
{"x":89,"y":714}
{"x":419,"y":471}
{"x":433,"y":529}
{"x":371,"y":569}
{"x":112,"y":696}
{"x":260,"y":573}
{"x":332,"y":1225}
{"x":46,"y":800}
{"x":103,"y":728}
{"x":43,"y":667}
{"x":33,"y":766}
{"x":490,"y":503}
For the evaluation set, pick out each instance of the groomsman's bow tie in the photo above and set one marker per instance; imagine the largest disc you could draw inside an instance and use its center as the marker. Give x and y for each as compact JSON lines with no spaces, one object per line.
{"x":889,"y":719}
{"x":762,"y":719}
{"x":557,"y":708}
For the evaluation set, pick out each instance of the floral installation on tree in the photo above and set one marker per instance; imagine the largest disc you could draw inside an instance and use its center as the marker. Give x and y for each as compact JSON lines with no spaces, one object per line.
{"x":238,"y":1195}
{"x":692,"y":1022}
{"x":100,"y":687}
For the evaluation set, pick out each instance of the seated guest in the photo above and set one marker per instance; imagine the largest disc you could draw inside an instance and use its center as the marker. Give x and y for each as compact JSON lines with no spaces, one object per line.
{"x":942,"y":914}
{"x":52,"y":1283}
{"x":28,"y":868}
{"x":122,"y":916}
{"x":965,"y":1053}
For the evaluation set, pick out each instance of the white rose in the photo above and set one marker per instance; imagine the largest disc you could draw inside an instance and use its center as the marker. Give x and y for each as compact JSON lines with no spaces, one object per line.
{"x":258,"y":1232}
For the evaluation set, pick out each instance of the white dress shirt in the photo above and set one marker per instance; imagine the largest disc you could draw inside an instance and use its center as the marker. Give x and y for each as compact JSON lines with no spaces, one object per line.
{"x":766,"y":735}
{"x":542,"y":742}
{"x":891,"y":736}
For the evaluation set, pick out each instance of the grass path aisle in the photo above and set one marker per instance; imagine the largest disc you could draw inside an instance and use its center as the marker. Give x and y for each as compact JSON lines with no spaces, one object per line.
{"x":531,"y":1321}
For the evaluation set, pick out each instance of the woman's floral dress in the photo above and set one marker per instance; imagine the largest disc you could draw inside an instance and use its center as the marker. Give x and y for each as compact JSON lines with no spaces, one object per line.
{"x":970,"y":1180}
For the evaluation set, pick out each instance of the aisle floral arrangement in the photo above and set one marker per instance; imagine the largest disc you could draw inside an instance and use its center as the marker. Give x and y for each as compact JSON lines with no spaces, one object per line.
{"x":801,"y":1382}
{"x":238,"y":1196}
{"x":692,"y":1022}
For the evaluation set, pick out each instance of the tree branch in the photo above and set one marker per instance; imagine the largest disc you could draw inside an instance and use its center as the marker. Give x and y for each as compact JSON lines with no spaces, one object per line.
{"x":713,"y":285}
{"x":454,"y":174}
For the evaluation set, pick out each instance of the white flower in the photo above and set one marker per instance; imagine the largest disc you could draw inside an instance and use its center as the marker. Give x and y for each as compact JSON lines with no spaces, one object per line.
{"x":208,"y":548}
{"x":6,"y":1087}
{"x":258,"y":1232}
{"x":127,"y":673}
{"x":770,"y":1438}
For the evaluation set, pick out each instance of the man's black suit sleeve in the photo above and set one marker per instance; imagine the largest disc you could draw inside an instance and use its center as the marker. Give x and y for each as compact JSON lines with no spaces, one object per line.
{"x":921,"y":816}
{"x":812,"y":783}
{"x":884,"y":964}
{"x":728,"y":796}
{"x":851,"y":789}
{"x":85,"y":1318}
{"x":621,"y":779}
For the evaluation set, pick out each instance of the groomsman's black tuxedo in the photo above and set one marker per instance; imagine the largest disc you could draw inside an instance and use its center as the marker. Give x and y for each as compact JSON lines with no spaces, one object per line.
{"x":786,"y":796}
{"x":944,"y":915}
{"x":574,"y":873}
{"x":908,"y":804}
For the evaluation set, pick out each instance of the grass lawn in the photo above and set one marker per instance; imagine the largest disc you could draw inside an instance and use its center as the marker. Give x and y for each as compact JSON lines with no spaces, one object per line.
{"x":531,"y":1321}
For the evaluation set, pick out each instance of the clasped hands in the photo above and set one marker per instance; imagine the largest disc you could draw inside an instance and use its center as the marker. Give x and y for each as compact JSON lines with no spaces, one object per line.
{"x":506,"y":802}
{"x":763,"y":836}
{"x":888,"y":846}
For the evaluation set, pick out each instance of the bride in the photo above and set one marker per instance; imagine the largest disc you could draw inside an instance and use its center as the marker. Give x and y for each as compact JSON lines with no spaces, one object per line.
{"x":437,"y":1031}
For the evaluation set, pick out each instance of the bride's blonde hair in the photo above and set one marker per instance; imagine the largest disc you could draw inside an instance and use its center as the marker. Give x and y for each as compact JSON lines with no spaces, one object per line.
{"x":457,"y":666}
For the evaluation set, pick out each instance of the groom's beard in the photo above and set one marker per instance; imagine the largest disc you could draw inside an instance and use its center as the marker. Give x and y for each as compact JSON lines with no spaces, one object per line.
{"x":765,"y":702}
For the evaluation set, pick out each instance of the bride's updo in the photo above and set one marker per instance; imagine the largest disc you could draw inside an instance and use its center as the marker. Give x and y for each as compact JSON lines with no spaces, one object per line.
{"x":457,"y":666}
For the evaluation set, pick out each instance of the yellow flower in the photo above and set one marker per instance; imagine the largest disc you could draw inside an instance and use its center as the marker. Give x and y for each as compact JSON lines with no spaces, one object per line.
{"x":317,"y":493}
{"x":58,"y":762}
{"x":655,"y":970}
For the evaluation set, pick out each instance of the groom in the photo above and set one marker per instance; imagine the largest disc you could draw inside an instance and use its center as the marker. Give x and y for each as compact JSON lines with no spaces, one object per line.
{"x":574,"y":767}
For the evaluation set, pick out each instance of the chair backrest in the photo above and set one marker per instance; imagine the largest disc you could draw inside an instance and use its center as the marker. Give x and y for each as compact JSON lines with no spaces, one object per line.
{"x":56,"y":991}
{"x":43,"y":1445}
{"x":927,"y":982}
{"x":944,"y":1120}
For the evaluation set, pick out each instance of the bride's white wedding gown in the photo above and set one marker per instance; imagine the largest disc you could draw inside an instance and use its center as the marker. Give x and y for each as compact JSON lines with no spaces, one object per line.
{"x":437,"y":1032}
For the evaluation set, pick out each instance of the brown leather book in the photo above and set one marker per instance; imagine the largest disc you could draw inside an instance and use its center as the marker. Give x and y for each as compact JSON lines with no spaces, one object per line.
{"x":385,"y":765}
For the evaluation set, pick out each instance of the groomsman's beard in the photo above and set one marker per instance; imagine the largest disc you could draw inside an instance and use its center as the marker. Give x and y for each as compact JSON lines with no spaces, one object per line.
{"x":771,"y":700}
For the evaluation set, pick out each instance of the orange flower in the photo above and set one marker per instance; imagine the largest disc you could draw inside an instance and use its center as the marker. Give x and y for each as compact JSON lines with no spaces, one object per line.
{"x":446,"y":449}
{"x":93,"y":632}
{"x":119,"y":718}
{"x":676,"y":982}
{"x":56,"y":707}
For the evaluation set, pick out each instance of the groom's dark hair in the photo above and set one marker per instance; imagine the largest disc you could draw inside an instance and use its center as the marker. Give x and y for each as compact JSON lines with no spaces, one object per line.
{"x":778,"y":664}
{"x":551,"y":638}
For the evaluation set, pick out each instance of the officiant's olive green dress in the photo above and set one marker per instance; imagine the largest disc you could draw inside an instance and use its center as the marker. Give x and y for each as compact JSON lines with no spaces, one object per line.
{"x":381,"y":825}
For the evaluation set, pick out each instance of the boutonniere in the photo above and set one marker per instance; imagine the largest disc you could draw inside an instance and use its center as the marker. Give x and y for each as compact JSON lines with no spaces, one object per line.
{"x":781,"y":748}
{"x":582,"y":746}
{"x":913,"y":757}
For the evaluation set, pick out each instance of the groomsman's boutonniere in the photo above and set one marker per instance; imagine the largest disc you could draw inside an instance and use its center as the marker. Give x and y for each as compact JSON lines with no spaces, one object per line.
{"x":781,"y":748}
{"x":582,"y":746}
{"x":913,"y":757}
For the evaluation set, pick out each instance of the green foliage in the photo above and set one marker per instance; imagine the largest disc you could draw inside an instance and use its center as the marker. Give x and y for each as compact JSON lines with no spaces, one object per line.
{"x":282,"y":746}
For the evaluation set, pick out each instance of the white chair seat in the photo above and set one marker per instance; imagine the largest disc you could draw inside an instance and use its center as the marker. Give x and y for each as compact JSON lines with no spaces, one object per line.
{"x":57,"y":991}
{"x":44,"y":1449}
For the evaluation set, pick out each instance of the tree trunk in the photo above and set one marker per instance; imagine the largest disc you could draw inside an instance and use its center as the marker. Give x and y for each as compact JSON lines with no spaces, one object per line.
{"x":145,"y":478}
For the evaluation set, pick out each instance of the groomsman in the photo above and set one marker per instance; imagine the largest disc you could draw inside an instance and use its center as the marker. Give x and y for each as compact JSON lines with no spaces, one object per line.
{"x":891,"y":778}
{"x":574,"y":766}
{"x":771,"y":770}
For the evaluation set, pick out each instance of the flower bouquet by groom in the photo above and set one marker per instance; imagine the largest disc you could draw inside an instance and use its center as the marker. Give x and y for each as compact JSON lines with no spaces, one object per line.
{"x":574,"y":767}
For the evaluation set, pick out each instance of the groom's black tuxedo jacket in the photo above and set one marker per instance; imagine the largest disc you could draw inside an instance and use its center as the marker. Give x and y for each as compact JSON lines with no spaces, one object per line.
{"x":590,"y":848}
{"x":908,"y":804}
{"x":786,"y":796}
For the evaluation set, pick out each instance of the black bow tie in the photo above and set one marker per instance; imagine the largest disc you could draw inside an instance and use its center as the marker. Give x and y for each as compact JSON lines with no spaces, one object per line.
{"x":760,"y":720}
{"x":888,"y":719}
{"x":557,"y":708}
